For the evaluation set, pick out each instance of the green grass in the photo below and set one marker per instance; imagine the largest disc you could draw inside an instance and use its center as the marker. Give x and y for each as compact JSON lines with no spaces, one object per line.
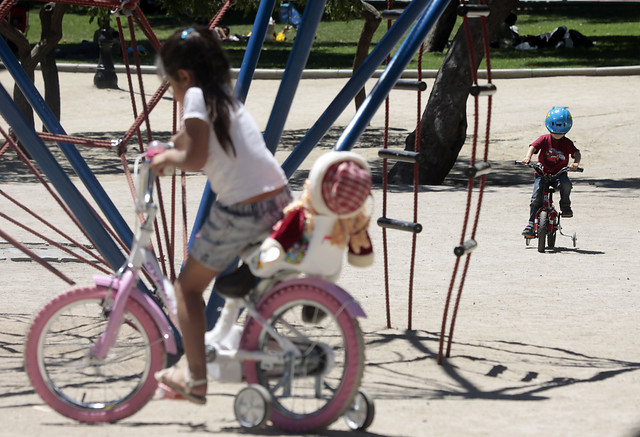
{"x":614,"y":29}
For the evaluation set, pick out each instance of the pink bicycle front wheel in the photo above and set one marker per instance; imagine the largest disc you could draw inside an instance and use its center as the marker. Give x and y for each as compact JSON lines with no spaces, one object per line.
{"x":312,"y":391}
{"x":69,"y":380}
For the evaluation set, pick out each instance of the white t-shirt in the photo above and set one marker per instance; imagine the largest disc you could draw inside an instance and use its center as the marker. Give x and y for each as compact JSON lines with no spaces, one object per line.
{"x":252,"y":171}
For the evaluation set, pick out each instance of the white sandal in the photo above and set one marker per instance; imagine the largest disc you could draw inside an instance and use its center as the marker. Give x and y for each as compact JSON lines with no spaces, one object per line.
{"x":164,"y":377}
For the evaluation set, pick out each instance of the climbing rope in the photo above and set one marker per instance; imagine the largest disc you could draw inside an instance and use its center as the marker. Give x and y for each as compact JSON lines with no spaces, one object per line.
{"x":466,"y":246}
{"x":476,"y":169}
{"x":217,"y":18}
{"x":416,"y":174}
{"x":34,"y":256}
{"x":416,"y":183}
{"x":385,"y":182}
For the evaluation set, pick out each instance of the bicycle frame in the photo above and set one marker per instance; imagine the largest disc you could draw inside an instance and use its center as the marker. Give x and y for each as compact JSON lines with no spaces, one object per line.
{"x":547,"y":204}
{"x":123,"y":283}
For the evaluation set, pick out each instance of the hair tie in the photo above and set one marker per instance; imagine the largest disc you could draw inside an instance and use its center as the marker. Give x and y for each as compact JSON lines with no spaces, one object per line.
{"x":186,"y":32}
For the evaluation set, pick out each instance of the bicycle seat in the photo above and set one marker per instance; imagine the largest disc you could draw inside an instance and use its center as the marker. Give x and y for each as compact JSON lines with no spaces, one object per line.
{"x":237,"y":283}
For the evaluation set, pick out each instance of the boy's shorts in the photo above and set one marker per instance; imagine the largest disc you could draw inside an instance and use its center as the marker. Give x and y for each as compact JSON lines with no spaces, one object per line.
{"x":229,"y":229}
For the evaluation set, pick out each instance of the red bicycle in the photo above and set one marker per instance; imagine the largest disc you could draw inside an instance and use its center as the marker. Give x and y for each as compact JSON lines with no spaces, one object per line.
{"x":547,"y":219}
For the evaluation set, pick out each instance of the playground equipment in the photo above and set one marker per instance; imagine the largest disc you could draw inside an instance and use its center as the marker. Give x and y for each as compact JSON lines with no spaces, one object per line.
{"x":414,"y":157}
{"x":476,"y":170}
{"x":111,"y":236}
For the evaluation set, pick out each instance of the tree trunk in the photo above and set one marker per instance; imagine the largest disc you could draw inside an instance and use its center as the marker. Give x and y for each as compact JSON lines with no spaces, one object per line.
{"x":438,"y":38}
{"x":51,"y":15}
{"x":22,"y":50}
{"x":372,"y":19}
{"x":444,"y":120}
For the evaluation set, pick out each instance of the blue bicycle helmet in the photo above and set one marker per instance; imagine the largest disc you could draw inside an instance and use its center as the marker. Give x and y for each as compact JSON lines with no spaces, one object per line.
{"x":558,"y":120}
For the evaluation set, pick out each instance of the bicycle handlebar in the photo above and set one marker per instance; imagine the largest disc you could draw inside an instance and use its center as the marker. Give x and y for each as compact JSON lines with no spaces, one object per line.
{"x":538,"y":168}
{"x":144,"y":177}
{"x":156,"y":147}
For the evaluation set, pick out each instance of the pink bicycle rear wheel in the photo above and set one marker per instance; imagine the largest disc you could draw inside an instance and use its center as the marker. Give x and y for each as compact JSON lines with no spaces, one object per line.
{"x":321,"y":384}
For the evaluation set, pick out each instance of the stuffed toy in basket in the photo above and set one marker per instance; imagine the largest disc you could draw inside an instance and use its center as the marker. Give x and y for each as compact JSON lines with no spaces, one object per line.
{"x":329,"y":219}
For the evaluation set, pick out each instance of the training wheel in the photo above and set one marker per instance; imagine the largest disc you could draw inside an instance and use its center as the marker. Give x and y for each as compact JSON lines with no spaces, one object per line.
{"x":360,"y":414}
{"x":574,"y":238}
{"x":252,"y":406}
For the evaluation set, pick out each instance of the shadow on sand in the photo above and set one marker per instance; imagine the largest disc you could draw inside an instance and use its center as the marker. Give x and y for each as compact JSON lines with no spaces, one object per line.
{"x":388,"y":380}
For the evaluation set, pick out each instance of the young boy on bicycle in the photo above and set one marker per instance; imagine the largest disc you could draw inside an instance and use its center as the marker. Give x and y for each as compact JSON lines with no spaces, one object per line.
{"x":553,"y":151}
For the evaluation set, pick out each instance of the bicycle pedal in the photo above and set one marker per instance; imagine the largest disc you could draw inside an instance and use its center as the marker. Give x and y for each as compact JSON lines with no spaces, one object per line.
{"x":529,"y":237}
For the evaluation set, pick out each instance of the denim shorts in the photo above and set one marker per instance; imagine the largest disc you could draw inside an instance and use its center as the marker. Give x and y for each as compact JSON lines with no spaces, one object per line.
{"x":230,"y":229}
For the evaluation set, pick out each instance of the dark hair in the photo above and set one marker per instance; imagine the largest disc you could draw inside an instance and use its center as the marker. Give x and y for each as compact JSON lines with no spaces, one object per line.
{"x":198,"y":50}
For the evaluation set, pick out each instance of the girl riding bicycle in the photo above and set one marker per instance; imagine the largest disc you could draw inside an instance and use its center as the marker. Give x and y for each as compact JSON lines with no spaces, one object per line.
{"x":553,"y":151}
{"x":216,"y":135}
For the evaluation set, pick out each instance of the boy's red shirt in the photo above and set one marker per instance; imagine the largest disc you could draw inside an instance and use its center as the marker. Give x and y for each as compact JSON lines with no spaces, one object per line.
{"x":554,"y":154}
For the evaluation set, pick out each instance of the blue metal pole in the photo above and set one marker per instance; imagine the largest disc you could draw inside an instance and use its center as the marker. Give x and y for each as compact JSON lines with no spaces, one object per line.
{"x":293,"y":72}
{"x":355,"y":83}
{"x":251,"y":55}
{"x":77,"y":162}
{"x":69,"y":193}
{"x":390,"y":75}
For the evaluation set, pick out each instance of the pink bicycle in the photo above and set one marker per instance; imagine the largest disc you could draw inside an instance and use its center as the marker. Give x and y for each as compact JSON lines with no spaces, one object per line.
{"x":91,"y":353}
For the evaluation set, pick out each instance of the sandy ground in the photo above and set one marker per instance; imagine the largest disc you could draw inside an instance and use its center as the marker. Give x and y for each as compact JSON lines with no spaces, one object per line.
{"x":545,"y":344}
